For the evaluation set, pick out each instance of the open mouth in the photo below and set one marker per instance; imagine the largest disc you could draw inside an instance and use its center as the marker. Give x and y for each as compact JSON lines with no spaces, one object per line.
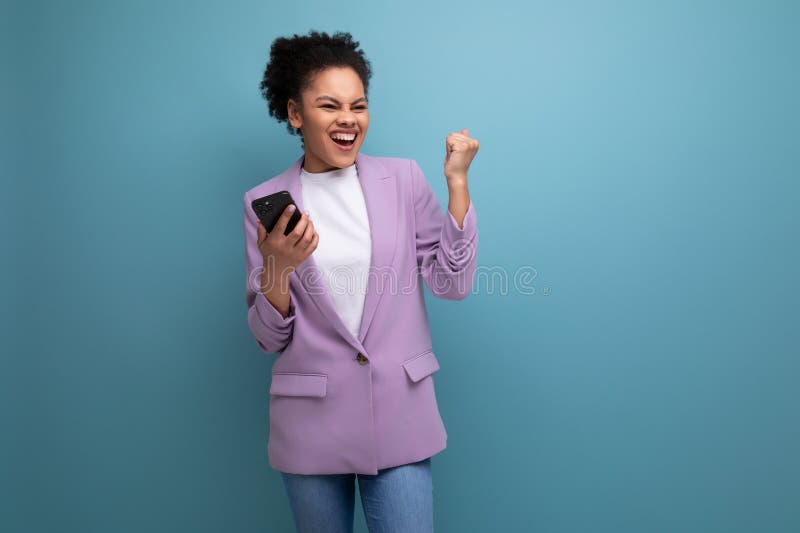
{"x":344,"y":140}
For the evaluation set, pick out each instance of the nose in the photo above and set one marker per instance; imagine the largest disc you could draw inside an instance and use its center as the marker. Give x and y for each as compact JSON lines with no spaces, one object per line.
{"x":346,"y":119}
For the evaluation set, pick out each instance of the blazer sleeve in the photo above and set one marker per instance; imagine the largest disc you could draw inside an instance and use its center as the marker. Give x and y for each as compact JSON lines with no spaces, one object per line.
{"x":271,"y":331}
{"x":446,"y":254}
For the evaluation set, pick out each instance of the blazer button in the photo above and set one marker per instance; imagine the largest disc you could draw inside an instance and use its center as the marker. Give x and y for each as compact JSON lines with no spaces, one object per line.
{"x":361,"y":359}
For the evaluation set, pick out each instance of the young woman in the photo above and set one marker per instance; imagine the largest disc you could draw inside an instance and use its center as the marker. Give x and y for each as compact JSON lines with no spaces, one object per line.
{"x":352,"y":393}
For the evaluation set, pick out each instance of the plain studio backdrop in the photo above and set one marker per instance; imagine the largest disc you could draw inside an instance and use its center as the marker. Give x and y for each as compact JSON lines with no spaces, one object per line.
{"x":627,"y":361}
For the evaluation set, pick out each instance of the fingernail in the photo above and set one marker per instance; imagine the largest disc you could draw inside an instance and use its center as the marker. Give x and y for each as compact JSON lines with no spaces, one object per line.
{"x":291,"y":208}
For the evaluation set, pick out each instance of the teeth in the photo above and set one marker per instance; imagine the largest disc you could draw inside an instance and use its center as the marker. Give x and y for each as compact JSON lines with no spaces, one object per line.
{"x":343,"y":136}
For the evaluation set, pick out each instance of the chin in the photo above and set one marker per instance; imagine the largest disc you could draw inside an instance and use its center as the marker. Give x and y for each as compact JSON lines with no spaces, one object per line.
{"x":350,"y":156}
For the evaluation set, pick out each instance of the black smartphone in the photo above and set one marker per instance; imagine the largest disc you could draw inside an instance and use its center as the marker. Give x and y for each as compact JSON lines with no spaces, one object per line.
{"x":270,"y":208}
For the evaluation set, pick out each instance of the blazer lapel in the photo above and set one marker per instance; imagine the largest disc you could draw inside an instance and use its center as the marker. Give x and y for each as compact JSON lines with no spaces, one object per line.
{"x":380,"y":195}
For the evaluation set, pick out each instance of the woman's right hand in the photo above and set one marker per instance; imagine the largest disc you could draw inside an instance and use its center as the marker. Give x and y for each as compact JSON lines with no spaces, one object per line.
{"x":287,"y":251}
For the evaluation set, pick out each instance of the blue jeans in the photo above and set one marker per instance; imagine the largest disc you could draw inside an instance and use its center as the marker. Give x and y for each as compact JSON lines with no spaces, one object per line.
{"x":395,"y":500}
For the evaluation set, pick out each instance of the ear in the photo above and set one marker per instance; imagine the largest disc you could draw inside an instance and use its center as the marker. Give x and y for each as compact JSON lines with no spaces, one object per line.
{"x":293,"y":110}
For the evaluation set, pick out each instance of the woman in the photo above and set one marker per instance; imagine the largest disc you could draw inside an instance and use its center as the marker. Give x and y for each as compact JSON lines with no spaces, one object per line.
{"x":352,"y":391}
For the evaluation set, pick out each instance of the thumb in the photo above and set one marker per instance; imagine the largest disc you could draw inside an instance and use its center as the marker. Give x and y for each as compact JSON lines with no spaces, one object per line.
{"x":465,"y":132}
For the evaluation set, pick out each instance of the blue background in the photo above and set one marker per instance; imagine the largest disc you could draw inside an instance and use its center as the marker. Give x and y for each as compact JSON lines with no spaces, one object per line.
{"x":642,"y":157}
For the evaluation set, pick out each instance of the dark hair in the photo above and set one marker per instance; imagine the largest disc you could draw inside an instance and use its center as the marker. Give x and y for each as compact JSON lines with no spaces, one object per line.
{"x":294,"y":61}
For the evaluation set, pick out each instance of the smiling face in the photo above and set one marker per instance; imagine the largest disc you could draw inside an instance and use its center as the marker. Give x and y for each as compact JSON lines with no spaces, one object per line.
{"x":333,"y":107}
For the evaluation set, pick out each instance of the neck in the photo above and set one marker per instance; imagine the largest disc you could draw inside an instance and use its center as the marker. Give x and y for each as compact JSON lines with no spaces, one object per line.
{"x":315,"y":165}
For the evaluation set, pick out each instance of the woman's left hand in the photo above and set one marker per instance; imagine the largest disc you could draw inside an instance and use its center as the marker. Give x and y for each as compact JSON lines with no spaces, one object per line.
{"x":460,"y":148}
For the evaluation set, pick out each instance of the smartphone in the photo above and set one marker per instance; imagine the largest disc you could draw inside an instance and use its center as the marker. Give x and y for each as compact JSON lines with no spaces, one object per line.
{"x":270,"y":208}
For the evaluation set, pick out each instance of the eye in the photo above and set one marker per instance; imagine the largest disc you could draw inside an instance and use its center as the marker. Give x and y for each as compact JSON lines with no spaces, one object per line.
{"x":328,"y":106}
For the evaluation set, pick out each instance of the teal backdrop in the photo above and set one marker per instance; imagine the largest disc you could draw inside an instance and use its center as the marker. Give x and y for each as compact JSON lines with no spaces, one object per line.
{"x":627,"y":362}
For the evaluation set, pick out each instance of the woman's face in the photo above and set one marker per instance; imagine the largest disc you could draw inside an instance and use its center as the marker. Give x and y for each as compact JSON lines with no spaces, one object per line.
{"x":335,"y":102}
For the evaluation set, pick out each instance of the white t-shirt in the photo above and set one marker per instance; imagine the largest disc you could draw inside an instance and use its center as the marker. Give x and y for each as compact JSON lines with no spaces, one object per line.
{"x":335,"y":202}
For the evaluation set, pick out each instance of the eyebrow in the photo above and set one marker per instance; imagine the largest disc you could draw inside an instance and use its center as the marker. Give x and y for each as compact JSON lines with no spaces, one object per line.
{"x":334,"y":100}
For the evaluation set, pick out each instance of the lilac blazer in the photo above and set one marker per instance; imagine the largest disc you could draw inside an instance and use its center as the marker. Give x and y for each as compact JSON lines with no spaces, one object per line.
{"x":340,"y":404}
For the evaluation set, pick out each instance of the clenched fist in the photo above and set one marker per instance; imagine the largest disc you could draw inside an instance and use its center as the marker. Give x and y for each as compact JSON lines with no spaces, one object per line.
{"x":460,"y":148}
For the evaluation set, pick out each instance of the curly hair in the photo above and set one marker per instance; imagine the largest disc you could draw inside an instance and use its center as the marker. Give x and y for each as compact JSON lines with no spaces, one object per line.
{"x":294,"y":61}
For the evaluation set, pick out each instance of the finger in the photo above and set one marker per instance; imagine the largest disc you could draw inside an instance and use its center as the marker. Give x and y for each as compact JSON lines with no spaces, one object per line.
{"x":461,"y":144}
{"x":308,"y":236}
{"x":297,"y":233}
{"x":262,"y":231}
{"x":460,"y":137}
{"x":458,"y":146}
{"x":283,"y":221}
{"x":448,"y":146}
{"x":313,"y":245}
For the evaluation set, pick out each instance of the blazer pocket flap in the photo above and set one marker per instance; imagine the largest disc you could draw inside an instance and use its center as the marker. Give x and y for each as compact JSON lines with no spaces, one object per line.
{"x":297,"y":384}
{"x":421,"y":365}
